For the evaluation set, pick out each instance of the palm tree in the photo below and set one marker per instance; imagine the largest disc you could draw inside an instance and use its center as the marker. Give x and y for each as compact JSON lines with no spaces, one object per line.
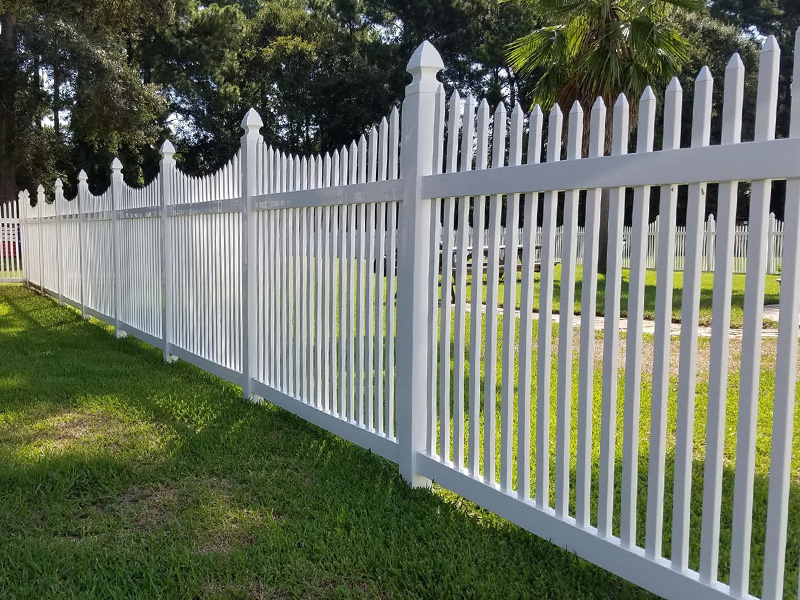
{"x":584,"y":49}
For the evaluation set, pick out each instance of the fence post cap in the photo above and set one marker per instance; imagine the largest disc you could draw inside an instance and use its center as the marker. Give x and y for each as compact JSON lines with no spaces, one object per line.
{"x":40,"y":189}
{"x":425,"y":62}
{"x":116,"y":165}
{"x":59,"y":184}
{"x":252,"y":122}
{"x":82,"y":176}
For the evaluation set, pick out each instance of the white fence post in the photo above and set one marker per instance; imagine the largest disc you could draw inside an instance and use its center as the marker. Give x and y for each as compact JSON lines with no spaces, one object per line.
{"x":251,"y":124}
{"x":83,"y":190}
{"x":166,"y":177}
{"x":59,"y":200}
{"x":116,"y":195}
{"x":413,"y":258}
{"x":40,"y":231}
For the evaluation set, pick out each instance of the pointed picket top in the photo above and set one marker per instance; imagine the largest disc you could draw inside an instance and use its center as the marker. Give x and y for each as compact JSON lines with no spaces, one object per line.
{"x":252,"y":122}
{"x":535,"y":124}
{"x":515,"y":149}
{"x":555,"y":130}
{"x":575,"y":131}
{"x":701,"y":115}
{"x":499,"y":136}
{"x":425,"y":63}
{"x":647,"y":120}
{"x":733,"y":101}
{"x":674,"y":86}
{"x":619,"y":140}
{"x":770,"y":45}
{"x":673,"y":108}
{"x":767,"y":96}
{"x":482,"y":135}
{"x":735,"y":62}
{"x":455,"y":102}
{"x":597,"y":128}
{"x":703,"y":76}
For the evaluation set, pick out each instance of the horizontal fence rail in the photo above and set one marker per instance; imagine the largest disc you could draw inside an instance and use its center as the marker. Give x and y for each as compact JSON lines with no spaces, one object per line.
{"x":344,"y":288}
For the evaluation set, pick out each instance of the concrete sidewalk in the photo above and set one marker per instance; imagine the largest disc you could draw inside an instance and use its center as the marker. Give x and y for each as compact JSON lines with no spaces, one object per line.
{"x":771,"y":312}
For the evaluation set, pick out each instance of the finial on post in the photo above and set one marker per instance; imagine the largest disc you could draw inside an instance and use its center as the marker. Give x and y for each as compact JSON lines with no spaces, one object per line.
{"x":116,"y":169}
{"x":252,"y":123}
{"x":424,"y":64}
{"x":82,"y":177}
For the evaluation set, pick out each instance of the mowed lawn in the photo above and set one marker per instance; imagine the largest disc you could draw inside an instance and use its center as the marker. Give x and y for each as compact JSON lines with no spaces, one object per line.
{"x":124,"y":477}
{"x":772,"y":290}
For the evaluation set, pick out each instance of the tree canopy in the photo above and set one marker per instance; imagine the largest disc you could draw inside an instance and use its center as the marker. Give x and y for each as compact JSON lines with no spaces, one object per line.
{"x":84,"y":80}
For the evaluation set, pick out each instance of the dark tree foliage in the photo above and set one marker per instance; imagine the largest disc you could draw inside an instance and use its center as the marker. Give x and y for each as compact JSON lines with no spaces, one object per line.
{"x":82,"y":81}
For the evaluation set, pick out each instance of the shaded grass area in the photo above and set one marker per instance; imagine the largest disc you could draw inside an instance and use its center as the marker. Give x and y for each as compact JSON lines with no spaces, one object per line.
{"x":124,"y":477}
{"x":772,"y":292}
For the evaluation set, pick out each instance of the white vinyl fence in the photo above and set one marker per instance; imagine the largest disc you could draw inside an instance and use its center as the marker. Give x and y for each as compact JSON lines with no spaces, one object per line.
{"x":774,"y":245}
{"x":312,"y":282}
{"x":10,"y":254}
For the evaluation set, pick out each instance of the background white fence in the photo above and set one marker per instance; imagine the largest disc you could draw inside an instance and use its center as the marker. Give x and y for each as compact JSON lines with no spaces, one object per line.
{"x":10,"y":254}
{"x":774,"y":245}
{"x":312,"y":282}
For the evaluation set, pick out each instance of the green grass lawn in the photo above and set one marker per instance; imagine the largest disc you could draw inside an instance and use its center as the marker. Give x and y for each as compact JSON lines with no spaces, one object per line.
{"x":772,"y":292}
{"x":124,"y":477}
{"x":763,"y":443}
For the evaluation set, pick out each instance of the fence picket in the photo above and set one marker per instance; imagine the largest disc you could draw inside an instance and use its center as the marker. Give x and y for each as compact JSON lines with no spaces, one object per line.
{"x":567,"y":320}
{"x":544,"y":347}
{"x":752,"y":322}
{"x":633,"y":339}
{"x":583,"y":474}
{"x":608,"y":424}
{"x":492,"y":298}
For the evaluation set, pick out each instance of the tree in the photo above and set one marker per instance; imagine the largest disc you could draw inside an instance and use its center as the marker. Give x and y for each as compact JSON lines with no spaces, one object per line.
{"x":72,"y":60}
{"x":584,"y":49}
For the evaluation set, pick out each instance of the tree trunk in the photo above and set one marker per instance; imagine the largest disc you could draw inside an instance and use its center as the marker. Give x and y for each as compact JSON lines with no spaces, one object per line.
{"x":57,"y":102}
{"x":602,"y":240}
{"x":8,"y":92}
